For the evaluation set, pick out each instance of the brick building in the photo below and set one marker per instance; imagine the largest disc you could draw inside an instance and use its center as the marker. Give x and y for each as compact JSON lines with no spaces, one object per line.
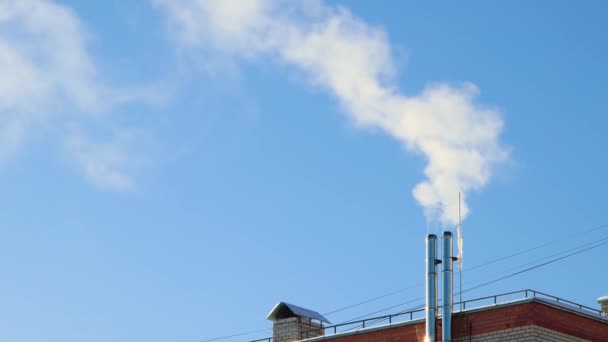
{"x":534,"y":316}
{"x":525,"y":315}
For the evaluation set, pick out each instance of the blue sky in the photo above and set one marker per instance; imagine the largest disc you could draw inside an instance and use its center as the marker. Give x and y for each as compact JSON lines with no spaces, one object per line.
{"x":171,"y":170}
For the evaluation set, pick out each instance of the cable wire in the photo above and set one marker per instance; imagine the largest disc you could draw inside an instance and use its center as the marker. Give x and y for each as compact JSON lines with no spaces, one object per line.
{"x":464,"y":270}
{"x":367,"y":301}
{"x":533,"y":248}
{"x":235,"y":335}
{"x":534,"y":267}
{"x":594,"y":244}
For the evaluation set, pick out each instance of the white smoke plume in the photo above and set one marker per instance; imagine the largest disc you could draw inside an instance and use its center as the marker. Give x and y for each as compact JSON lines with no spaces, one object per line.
{"x":353,"y":61}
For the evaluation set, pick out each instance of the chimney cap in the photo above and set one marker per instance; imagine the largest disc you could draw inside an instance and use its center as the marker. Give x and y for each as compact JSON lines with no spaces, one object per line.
{"x":603,"y":299}
{"x":285,"y":310}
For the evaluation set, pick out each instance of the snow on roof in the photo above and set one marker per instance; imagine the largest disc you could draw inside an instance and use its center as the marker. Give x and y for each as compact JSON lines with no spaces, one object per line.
{"x":286,"y":310}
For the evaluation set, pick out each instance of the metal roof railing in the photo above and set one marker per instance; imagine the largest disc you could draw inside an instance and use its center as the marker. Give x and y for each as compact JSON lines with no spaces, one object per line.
{"x":526,"y":294}
{"x":411,"y":315}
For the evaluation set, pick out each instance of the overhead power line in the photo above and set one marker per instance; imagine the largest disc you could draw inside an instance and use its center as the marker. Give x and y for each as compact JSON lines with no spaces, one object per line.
{"x":235,"y":335}
{"x":367,"y":301}
{"x":379,"y":311}
{"x":382,"y":319}
{"x":595,"y":244}
{"x":548,"y":243}
{"x":536,"y":266}
{"x":466,"y":269}
{"x":589,"y":246}
{"x":562,"y":252}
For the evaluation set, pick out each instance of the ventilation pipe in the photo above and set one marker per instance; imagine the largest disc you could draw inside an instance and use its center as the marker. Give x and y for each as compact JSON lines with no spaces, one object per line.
{"x":446,"y":310}
{"x":431,"y":287}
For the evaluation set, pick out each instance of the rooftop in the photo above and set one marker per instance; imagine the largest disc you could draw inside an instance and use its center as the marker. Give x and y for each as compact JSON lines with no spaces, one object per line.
{"x":416,"y":316}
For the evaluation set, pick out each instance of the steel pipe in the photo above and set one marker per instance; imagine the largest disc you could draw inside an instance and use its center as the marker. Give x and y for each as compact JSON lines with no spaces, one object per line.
{"x":447,"y":277}
{"x":431,"y":287}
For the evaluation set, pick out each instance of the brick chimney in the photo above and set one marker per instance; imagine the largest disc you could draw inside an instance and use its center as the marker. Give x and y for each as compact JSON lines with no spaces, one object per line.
{"x":293,"y":323}
{"x":603,"y":302}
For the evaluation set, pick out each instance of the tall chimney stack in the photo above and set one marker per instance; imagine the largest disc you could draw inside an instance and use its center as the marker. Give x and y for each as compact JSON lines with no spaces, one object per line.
{"x":446,"y":310}
{"x":431,"y":287}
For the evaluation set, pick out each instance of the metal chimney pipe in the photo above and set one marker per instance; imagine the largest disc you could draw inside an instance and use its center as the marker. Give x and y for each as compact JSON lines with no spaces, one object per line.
{"x":446,"y":310}
{"x":431,"y":287}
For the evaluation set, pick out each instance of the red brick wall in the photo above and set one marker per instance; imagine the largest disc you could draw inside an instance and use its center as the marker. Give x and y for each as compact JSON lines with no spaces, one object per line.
{"x":492,"y":320}
{"x":414,"y":332}
{"x":533,"y":313}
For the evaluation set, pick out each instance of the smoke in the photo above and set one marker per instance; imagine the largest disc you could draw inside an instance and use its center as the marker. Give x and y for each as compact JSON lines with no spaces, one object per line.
{"x":352,"y":60}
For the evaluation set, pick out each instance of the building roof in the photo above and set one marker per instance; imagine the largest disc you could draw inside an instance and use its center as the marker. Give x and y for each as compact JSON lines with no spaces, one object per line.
{"x":558,"y":316}
{"x":286,"y":310}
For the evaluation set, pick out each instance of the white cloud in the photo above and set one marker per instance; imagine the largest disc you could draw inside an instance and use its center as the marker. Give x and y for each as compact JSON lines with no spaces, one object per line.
{"x":353,"y":61}
{"x":49,"y":77}
{"x":106,"y":164}
{"x":43,"y":59}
